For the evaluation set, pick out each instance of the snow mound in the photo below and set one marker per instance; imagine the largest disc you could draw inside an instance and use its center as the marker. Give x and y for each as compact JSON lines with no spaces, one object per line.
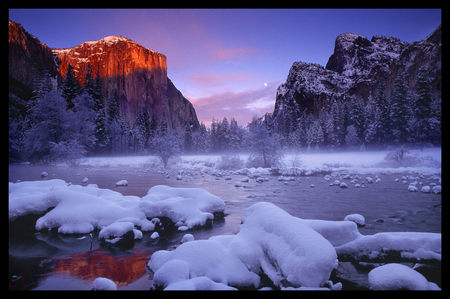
{"x":104,"y":284}
{"x":397,"y":277}
{"x":271,"y":240}
{"x":78,"y":209}
{"x":410,"y":245}
{"x":122,"y":183}
{"x":116,"y":232}
{"x":357,"y":218}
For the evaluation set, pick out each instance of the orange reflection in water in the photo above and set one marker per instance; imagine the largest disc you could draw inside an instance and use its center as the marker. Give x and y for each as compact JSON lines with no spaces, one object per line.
{"x":89,"y":265}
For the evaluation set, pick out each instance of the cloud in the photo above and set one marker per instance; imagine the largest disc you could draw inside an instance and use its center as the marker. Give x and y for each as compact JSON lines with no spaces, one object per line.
{"x":226,"y":54}
{"x":240,"y":105}
{"x":217,"y":80}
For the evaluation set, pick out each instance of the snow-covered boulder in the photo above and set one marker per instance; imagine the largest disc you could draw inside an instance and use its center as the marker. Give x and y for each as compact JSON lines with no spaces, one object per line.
{"x":412,"y":188}
{"x":426,"y":189}
{"x":336,"y":183}
{"x":437,"y":189}
{"x":122,"y":183}
{"x":78,"y":209}
{"x":284,"y":247}
{"x":343,"y":185}
{"x":104,"y":284}
{"x":154,"y":236}
{"x":357,"y":218}
{"x":85,"y":180}
{"x":238,"y":184}
{"x":117,"y":234}
{"x":369,"y":180}
{"x":401,"y":245}
{"x":44,"y":174}
{"x":187,"y":238}
{"x":179,"y":177}
{"x":397,"y":277}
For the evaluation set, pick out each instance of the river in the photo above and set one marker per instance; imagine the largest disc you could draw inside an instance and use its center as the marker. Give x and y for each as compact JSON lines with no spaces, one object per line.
{"x":50,"y":261}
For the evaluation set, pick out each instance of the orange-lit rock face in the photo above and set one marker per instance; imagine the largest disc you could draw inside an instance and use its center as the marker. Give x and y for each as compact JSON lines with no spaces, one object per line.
{"x":138,"y":74}
{"x":28,"y":57}
{"x":90,"y":265}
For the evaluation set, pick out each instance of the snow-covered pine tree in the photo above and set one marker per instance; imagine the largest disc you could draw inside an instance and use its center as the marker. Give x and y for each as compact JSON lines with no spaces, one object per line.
{"x":142,"y":129}
{"x":315,"y":135}
{"x":383,"y":103}
{"x":352,"y":139}
{"x":163,"y":127}
{"x":235,"y":136}
{"x":356,"y":114}
{"x":70,"y":87}
{"x":113,"y":107}
{"x":399,"y":109}
{"x":188,"y":140}
{"x":422,"y":122}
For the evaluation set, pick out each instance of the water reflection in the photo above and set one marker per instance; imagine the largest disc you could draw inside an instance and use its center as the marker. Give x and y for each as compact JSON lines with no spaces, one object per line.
{"x":89,"y":265}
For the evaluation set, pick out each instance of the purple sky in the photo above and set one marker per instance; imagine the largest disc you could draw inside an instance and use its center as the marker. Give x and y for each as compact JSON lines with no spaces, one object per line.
{"x":227,"y":62}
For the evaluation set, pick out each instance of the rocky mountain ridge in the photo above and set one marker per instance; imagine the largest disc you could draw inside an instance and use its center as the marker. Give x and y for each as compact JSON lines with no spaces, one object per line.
{"x":356,"y":69}
{"x":136,"y":72}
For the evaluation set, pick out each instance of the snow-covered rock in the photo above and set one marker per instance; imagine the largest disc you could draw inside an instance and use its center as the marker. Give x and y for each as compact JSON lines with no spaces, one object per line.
{"x":397,"y":277}
{"x":104,"y":284}
{"x":369,"y":180}
{"x":412,"y":188}
{"x":283,"y":246}
{"x":343,"y":185}
{"x":118,"y":233}
{"x":409,"y":245}
{"x":78,"y":209}
{"x":122,"y":183}
{"x":154,"y":236}
{"x":357,"y":218}
{"x":187,"y":238}
{"x":426,"y":189}
{"x":44,"y":174}
{"x":437,"y":189}
{"x":85,"y":180}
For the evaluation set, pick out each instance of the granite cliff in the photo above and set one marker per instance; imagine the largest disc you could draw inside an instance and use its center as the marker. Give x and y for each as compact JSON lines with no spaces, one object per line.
{"x":356,"y":69}
{"x":136,"y":72}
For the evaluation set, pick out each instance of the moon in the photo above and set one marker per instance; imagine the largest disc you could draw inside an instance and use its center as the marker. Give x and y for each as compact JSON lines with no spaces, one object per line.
{"x":265,"y":84}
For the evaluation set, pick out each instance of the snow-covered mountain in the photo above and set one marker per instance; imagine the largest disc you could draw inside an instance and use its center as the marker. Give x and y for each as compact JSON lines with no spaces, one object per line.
{"x":356,"y":69}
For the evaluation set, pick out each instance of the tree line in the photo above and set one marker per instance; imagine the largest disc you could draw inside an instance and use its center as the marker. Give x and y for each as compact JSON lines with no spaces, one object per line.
{"x":65,"y":121}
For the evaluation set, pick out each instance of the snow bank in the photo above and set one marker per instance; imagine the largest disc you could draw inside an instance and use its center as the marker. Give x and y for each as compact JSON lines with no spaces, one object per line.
{"x":283,"y":246}
{"x":410,"y":245}
{"x":397,"y":277}
{"x":78,"y":209}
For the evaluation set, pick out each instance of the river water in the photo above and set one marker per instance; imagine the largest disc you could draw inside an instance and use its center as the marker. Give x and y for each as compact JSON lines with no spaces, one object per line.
{"x":50,"y":261}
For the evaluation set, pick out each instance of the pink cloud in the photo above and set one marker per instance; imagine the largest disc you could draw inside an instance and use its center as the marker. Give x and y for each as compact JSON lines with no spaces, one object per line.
{"x":214,"y":80}
{"x":240,"y":105}
{"x":224,"y":54}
